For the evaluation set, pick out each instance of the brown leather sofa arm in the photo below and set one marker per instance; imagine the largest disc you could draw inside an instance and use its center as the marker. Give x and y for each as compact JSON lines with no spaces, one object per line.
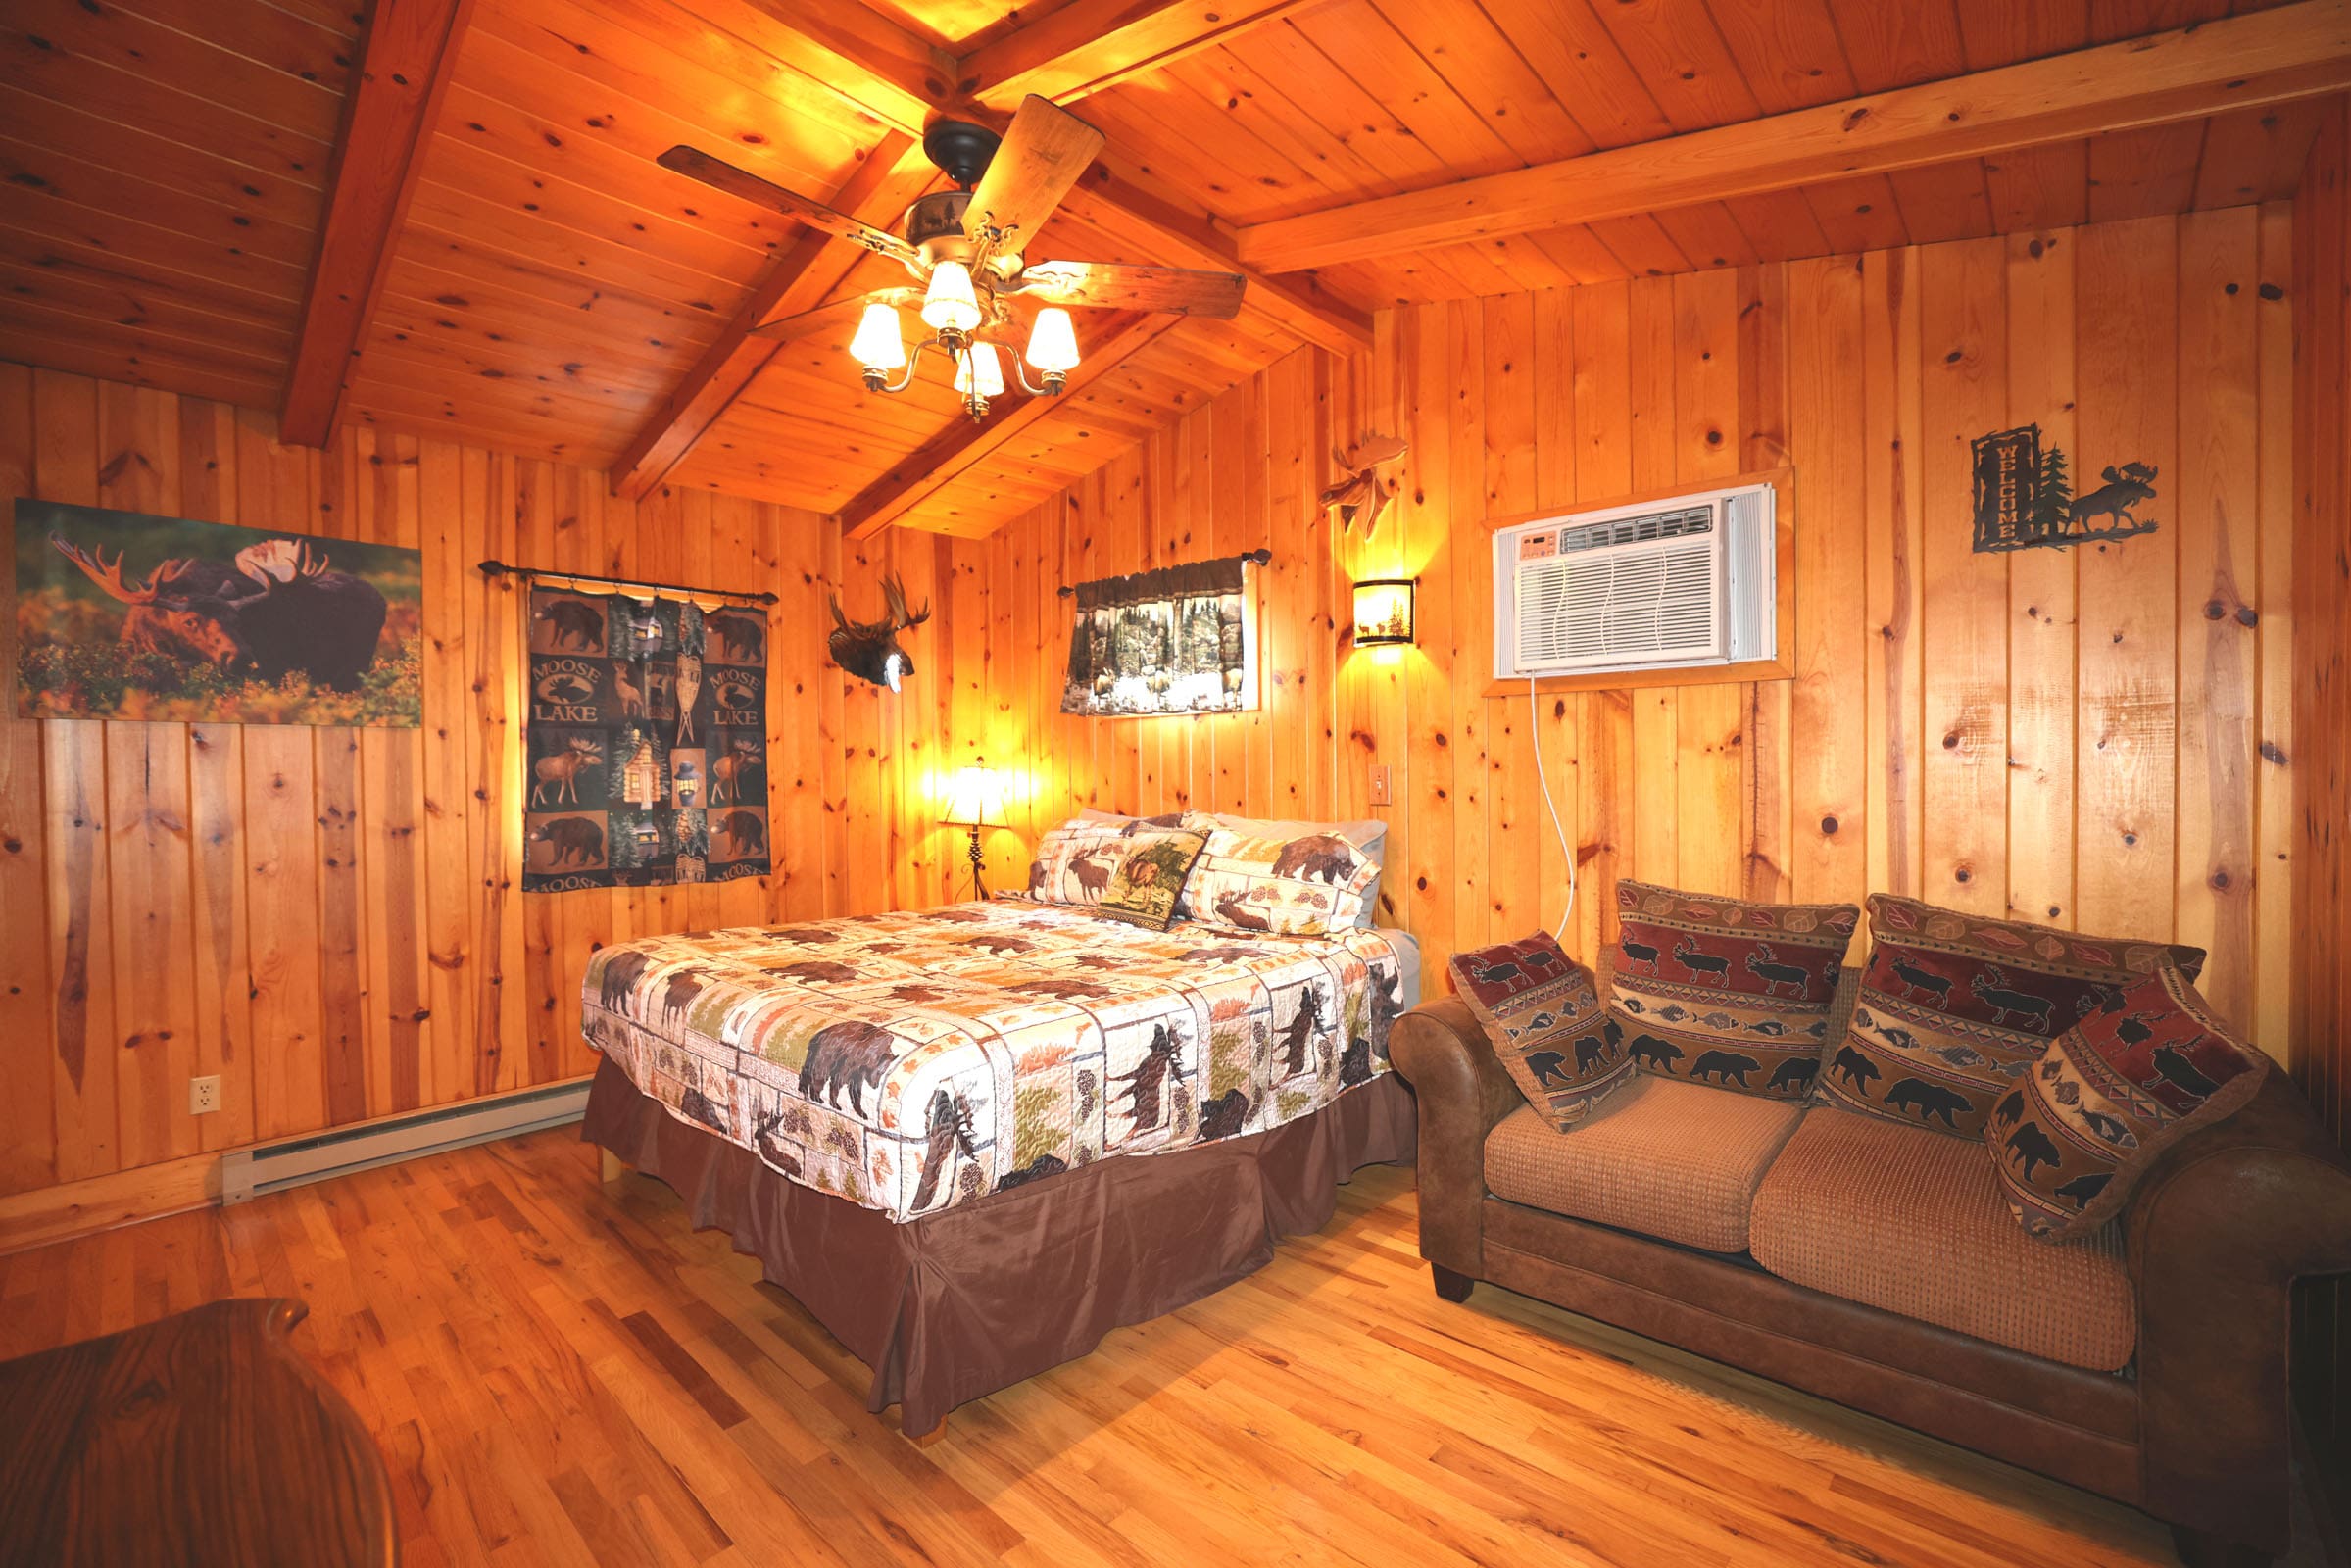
{"x":1443,"y":1052}
{"x":2217,"y":1234}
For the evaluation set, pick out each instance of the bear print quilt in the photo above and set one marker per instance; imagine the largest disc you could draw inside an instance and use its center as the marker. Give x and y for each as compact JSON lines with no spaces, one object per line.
{"x":912,"y":1061}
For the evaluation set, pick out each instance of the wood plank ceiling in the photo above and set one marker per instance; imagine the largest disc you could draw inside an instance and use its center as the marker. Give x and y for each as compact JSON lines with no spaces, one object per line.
{"x":550,"y":289}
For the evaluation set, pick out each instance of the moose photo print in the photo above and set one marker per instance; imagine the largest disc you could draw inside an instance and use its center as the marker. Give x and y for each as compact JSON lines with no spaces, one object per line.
{"x":648,"y":755}
{"x":121,"y":615}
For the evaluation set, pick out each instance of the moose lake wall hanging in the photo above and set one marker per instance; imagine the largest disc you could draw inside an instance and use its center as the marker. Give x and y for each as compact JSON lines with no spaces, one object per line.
{"x":123,"y":615}
{"x":2023,"y":496}
{"x":646,"y":759}
{"x":869,"y":649}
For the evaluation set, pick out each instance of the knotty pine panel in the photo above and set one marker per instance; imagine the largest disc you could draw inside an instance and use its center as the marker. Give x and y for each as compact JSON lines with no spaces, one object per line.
{"x":2033,"y":734}
{"x":330,"y":918}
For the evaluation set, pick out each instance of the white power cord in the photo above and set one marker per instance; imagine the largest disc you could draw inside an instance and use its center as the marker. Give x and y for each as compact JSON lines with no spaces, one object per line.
{"x":1535,"y":738}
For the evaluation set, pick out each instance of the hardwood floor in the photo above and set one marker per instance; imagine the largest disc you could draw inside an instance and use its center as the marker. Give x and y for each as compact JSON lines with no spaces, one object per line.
{"x":563,"y":1374}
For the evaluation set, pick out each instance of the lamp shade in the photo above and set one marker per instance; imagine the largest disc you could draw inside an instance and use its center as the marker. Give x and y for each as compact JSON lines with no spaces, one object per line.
{"x":878,"y":345}
{"x":977,"y":372}
{"x":1053,"y":341}
{"x":975,"y":798}
{"x":949,"y":304}
{"x":1383,"y":612}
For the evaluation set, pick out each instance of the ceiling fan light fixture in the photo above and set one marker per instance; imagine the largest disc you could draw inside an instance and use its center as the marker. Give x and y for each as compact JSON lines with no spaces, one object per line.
{"x":977,"y":372}
{"x":949,"y":304}
{"x":880,"y":346}
{"x":1053,"y":345}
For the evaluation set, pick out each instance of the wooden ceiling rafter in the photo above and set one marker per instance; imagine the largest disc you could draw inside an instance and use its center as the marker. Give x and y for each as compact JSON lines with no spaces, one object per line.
{"x":1088,"y":45}
{"x":959,"y":448}
{"x":2283,"y":55}
{"x":407,"y":51}
{"x":805,"y":277}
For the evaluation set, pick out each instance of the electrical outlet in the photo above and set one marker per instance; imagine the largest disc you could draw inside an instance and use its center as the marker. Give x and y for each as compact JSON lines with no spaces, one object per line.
{"x":204,"y":1095}
{"x":1381,"y":795}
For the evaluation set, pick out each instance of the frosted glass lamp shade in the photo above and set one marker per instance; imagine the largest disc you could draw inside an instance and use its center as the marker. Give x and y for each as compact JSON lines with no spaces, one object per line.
{"x":978,"y":372}
{"x":975,"y":798}
{"x":950,"y":305}
{"x":1053,"y":342}
{"x":879,"y":345}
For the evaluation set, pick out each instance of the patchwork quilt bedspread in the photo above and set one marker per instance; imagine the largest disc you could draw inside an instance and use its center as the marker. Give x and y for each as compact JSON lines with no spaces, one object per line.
{"x":912,"y":1061}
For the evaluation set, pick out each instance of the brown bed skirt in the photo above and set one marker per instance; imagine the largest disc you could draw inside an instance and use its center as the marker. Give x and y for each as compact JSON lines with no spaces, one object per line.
{"x":974,"y":1298}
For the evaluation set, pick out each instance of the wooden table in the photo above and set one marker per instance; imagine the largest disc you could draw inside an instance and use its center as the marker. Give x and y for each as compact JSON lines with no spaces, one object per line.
{"x":202,"y":1440}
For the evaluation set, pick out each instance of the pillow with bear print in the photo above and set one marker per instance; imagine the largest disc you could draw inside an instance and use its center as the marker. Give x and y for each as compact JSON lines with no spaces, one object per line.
{"x":1307,"y":886}
{"x":2147,"y":1066}
{"x":1725,"y":992}
{"x":1541,"y":1014}
{"x":1956,"y":1007}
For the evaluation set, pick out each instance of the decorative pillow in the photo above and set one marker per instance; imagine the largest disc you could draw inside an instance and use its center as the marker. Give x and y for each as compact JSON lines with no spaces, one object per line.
{"x":1307,"y":886}
{"x":1956,"y":1007}
{"x":1076,"y":861}
{"x":1541,"y":1012}
{"x":2147,"y":1066}
{"x":1148,"y":881}
{"x":1369,"y":835}
{"x":1723,"y":991}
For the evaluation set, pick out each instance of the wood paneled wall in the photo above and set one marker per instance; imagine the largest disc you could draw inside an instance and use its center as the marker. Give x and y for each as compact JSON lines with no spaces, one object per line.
{"x":330,"y":918}
{"x":2321,"y":916}
{"x":2095,"y":737}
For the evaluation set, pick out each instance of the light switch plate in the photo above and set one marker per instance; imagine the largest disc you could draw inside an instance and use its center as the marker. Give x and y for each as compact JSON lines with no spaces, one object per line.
{"x":1381,"y":795}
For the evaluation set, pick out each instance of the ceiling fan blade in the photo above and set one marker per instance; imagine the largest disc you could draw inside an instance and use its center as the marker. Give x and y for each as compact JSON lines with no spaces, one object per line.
{"x":840,"y":315}
{"x":1104,"y":285}
{"x":1042,"y":156}
{"x":745,"y":186}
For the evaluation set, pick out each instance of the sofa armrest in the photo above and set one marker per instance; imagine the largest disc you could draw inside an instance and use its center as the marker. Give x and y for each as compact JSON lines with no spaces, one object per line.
{"x":2217,"y":1234}
{"x":1440,"y":1050}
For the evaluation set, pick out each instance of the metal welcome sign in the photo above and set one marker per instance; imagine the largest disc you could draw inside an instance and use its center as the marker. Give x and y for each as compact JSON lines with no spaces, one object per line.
{"x":2025,"y":497}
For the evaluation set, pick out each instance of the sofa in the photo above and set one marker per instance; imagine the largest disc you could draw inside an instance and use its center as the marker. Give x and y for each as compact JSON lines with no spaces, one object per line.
{"x":1879,"y":1265}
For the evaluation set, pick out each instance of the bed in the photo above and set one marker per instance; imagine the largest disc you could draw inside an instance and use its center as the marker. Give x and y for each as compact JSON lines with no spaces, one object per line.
{"x":973,"y":1139}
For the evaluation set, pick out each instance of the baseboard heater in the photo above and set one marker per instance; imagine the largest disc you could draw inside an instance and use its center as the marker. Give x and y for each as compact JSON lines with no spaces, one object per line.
{"x":274,"y":1167}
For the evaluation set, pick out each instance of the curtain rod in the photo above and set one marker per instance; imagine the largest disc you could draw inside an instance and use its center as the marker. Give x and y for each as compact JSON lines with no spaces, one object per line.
{"x":1260,"y":557}
{"x":499,"y":568}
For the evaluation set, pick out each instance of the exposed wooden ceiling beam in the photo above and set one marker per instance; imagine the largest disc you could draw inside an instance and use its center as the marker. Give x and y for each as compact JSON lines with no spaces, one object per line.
{"x":2295,"y":51}
{"x":1088,"y":45}
{"x":1181,"y":239}
{"x":804,"y":278}
{"x":406,"y":54}
{"x":955,"y":451}
{"x":859,"y":52}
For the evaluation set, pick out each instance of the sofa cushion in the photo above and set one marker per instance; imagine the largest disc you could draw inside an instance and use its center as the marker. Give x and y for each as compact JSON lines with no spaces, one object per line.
{"x":1955,"y":1007}
{"x":2111,"y":1094}
{"x":1541,"y":1014}
{"x":1726,"y":992}
{"x":1914,"y":1222}
{"x":1666,"y":1158}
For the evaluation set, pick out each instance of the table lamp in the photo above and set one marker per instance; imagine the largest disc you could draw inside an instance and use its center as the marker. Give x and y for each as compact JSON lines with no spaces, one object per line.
{"x":975,"y":798}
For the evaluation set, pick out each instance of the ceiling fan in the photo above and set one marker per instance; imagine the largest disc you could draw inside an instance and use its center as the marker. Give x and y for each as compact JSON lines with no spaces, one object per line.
{"x":964,"y":248}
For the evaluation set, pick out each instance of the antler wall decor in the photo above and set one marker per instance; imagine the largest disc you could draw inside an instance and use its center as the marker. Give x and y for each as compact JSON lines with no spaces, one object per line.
{"x":870,"y":649}
{"x":1362,"y":487}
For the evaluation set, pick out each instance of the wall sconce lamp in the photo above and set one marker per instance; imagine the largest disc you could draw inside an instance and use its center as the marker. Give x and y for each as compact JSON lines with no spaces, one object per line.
{"x":975,"y":798}
{"x":1383,"y":613}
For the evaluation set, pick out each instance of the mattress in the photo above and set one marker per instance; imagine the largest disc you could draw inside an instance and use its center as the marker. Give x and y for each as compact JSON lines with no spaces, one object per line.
{"x":912,"y":1061}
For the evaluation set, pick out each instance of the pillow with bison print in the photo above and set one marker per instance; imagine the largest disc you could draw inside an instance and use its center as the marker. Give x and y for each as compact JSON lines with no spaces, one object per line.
{"x":1542,"y":1012}
{"x":1721,"y":991}
{"x":1307,"y":886}
{"x":2147,"y":1066}
{"x":1151,"y":878}
{"x":1955,"y":1009}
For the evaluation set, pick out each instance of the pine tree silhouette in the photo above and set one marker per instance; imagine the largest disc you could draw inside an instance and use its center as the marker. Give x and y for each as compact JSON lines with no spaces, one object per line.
{"x":2053,"y":496}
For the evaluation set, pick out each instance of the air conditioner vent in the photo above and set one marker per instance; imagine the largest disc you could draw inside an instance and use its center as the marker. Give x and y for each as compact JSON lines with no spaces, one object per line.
{"x":1636,"y":588}
{"x":1638,"y":530}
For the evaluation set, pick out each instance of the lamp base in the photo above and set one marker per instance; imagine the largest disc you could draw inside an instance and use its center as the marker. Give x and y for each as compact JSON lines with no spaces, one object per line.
{"x":978,"y":887}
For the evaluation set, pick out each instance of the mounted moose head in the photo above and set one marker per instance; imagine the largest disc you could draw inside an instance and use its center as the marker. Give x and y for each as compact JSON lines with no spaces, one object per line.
{"x":279,"y":610}
{"x":870,"y":649}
